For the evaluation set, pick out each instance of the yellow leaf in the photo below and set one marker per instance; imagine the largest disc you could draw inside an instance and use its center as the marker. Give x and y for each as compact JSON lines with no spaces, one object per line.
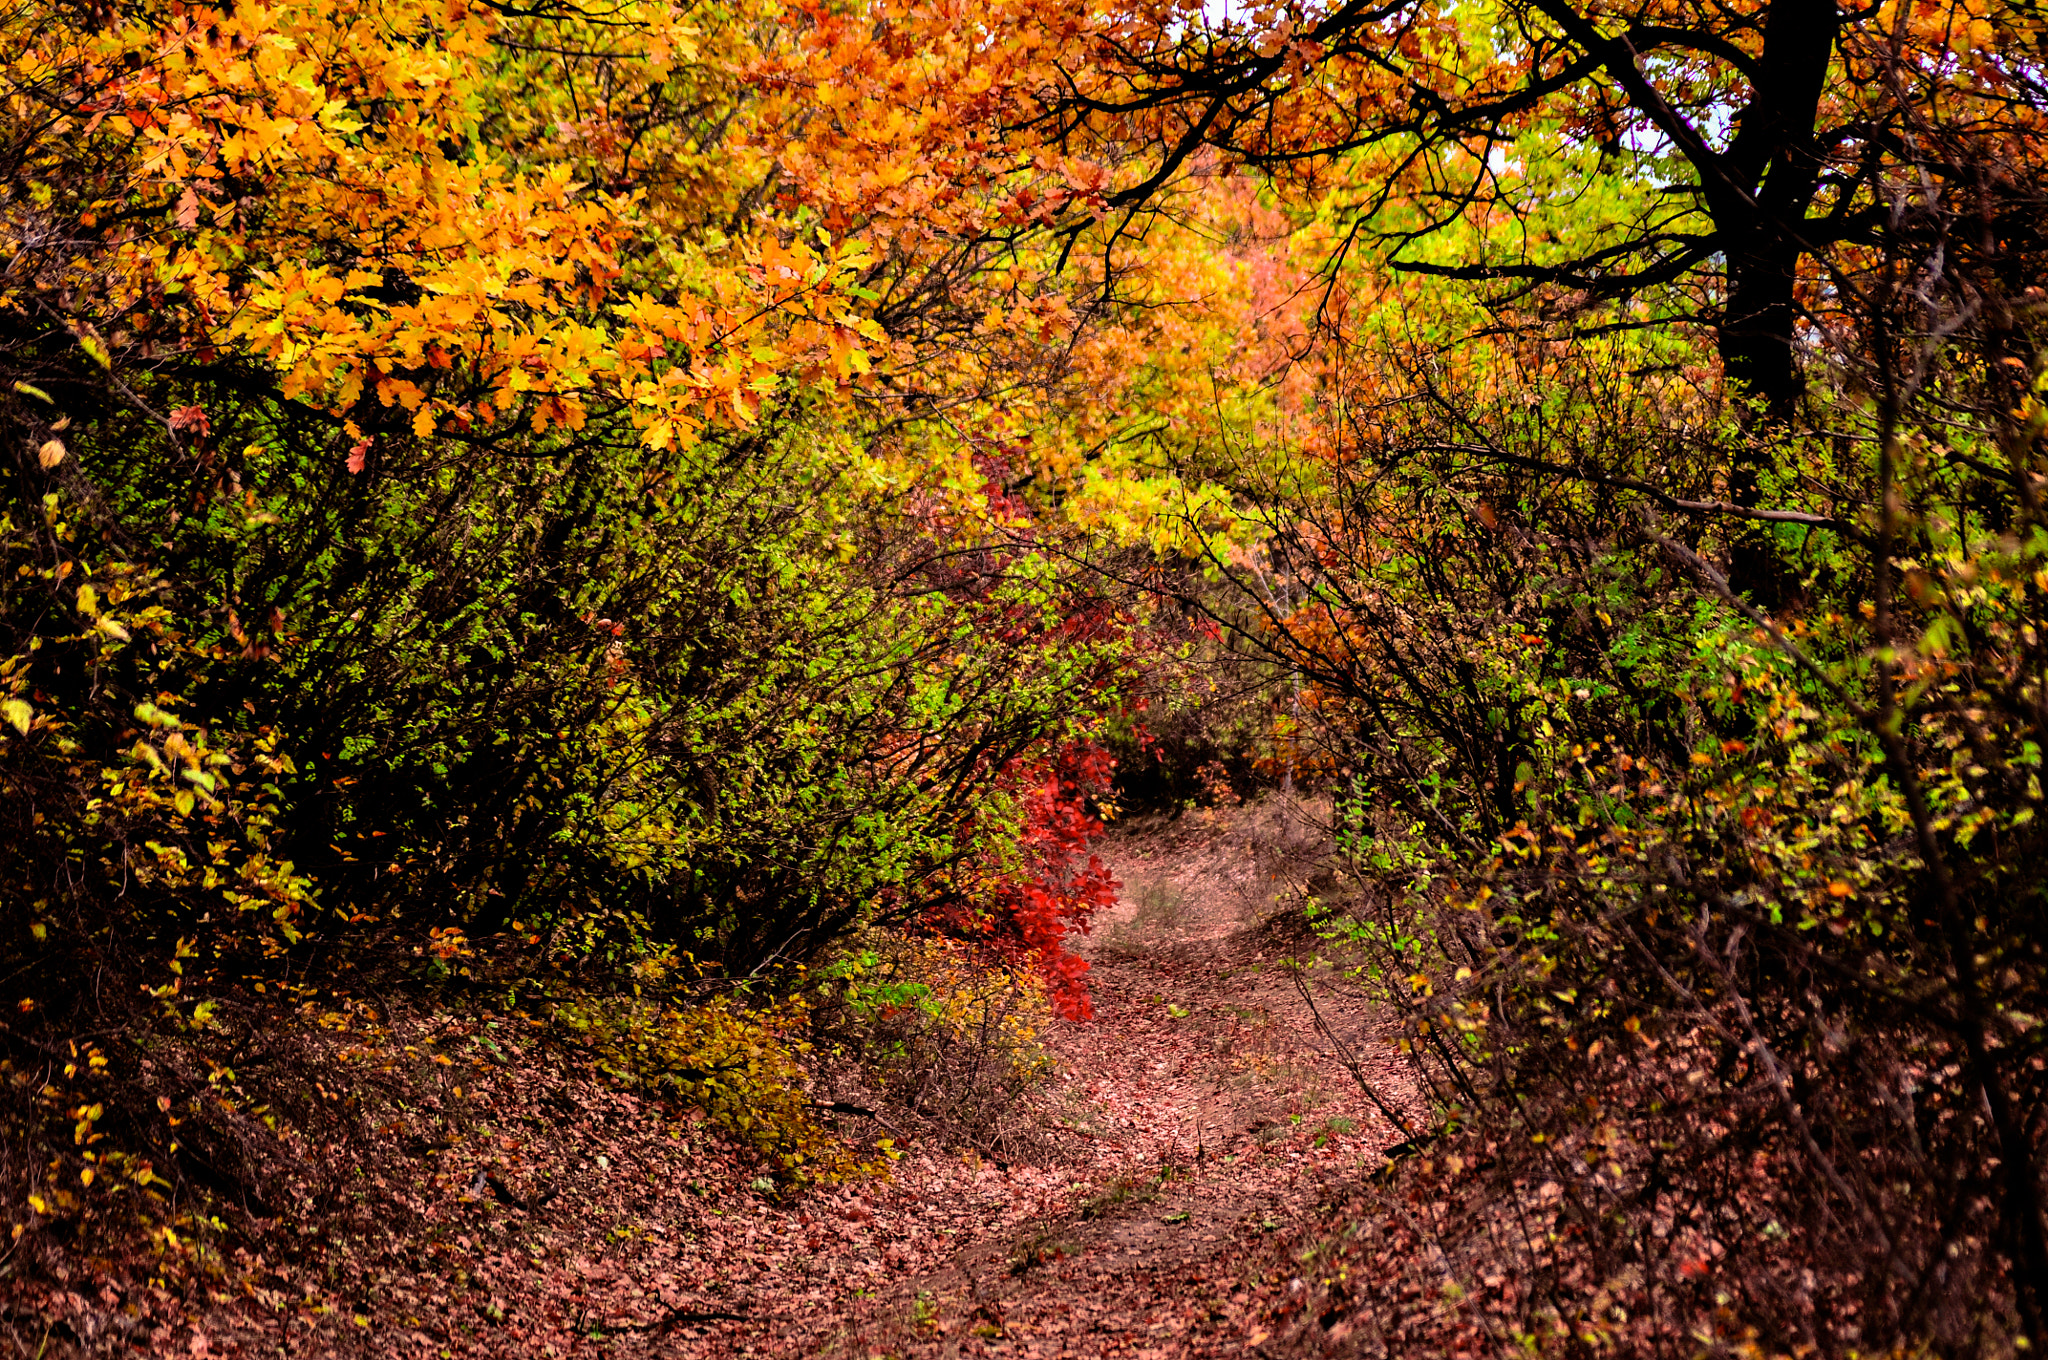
{"x":18,"y":713}
{"x":51,"y":453}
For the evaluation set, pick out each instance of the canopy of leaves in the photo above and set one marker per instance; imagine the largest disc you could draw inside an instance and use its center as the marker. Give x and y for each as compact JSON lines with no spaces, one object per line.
{"x":600,"y":507}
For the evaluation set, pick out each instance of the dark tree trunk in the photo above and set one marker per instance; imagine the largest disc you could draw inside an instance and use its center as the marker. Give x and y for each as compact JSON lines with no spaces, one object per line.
{"x":1770,"y":174}
{"x":1769,"y":177}
{"x":1757,"y":328}
{"x":1756,"y":338}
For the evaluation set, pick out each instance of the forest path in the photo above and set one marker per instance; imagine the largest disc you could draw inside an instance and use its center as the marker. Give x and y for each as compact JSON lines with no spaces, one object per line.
{"x":1200,"y":1113}
{"x":1175,"y":1162}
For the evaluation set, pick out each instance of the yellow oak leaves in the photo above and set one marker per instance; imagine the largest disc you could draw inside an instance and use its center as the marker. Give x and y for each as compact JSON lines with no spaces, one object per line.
{"x":689,"y":363}
{"x":309,"y":185}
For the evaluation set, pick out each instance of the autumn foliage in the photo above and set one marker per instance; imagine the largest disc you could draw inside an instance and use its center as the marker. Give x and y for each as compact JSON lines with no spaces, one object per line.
{"x":448,"y":551}
{"x":656,"y":524}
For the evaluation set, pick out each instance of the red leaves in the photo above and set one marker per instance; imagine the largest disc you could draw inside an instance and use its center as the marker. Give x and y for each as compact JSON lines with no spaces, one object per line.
{"x":191,"y":418}
{"x":1057,"y":886}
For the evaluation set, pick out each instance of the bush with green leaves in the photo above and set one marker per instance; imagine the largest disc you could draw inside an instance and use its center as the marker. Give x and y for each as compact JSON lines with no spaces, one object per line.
{"x":1718,"y":922}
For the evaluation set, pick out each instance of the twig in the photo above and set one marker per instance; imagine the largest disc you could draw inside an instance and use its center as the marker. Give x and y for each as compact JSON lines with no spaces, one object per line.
{"x":1351,"y":1065}
{"x":504,"y":1193}
{"x":1665,"y":498}
{"x":1719,"y":585}
{"x":676,"y":1317}
{"x":859,"y":1112}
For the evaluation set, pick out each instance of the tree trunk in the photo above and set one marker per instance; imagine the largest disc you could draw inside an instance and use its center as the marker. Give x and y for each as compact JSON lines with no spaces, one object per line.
{"x":1757,"y":328}
{"x":1771,"y":172}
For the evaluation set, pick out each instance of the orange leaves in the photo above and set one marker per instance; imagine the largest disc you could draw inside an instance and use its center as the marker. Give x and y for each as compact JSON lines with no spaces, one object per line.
{"x":915,"y":125}
{"x":789,"y":314}
{"x":330,"y":207}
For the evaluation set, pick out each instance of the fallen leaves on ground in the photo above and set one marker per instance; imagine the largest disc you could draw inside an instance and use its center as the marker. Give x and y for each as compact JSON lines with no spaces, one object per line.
{"x":510,"y":1202}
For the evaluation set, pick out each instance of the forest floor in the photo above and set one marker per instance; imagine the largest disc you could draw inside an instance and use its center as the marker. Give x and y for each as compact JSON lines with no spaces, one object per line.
{"x":1196,"y":1133}
{"x":1199,"y":1122}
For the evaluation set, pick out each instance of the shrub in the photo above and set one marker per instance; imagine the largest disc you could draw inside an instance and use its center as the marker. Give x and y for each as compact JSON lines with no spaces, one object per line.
{"x":949,"y":1035}
{"x":1722,"y":924}
{"x":389,"y":599}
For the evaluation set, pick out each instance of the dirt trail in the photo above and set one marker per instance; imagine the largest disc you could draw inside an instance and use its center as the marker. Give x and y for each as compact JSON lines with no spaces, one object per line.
{"x":538,"y":1211}
{"x":1199,"y":1113}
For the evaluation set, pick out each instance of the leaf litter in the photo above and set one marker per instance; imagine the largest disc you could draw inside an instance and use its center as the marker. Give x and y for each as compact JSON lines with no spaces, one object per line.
{"x":520,"y":1206}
